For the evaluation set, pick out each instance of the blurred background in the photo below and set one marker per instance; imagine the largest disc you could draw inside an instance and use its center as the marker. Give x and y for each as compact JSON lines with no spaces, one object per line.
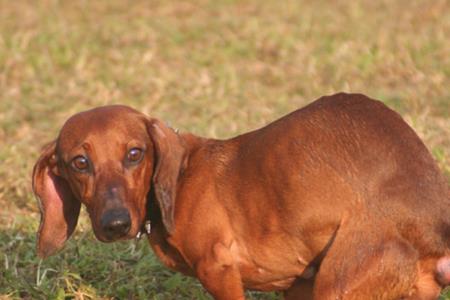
{"x":215,"y":68}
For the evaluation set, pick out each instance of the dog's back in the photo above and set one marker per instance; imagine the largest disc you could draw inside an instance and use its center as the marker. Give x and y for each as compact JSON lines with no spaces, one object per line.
{"x":345,"y":160}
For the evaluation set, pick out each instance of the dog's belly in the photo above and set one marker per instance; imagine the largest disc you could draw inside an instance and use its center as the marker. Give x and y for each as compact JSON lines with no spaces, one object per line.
{"x":264,"y":280}
{"x":270,"y":269}
{"x":275,"y":285}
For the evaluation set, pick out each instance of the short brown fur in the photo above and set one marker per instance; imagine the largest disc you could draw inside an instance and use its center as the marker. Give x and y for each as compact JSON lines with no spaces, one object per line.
{"x":337,"y":200}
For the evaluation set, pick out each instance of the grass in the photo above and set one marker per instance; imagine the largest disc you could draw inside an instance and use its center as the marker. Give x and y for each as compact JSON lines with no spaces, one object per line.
{"x":216,"y":68}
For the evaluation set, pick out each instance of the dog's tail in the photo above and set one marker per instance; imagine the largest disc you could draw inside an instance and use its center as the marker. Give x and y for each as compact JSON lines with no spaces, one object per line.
{"x":443,"y":270}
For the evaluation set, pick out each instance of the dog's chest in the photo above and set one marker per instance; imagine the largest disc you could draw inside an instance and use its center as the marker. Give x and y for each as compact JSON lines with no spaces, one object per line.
{"x":170,"y":256}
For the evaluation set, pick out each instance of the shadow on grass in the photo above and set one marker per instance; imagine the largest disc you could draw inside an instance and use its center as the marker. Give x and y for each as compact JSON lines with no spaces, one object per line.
{"x":89,"y":269}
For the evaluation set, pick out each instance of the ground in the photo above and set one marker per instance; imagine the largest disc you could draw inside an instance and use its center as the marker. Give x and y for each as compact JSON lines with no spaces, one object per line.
{"x":215,"y":68}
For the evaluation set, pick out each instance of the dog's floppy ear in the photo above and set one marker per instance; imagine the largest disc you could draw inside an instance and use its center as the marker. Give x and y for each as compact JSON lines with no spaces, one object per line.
{"x":59,"y":208}
{"x":170,"y":155}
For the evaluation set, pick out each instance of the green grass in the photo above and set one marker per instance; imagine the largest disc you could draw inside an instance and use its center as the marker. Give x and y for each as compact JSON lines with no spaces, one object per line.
{"x":216,"y":68}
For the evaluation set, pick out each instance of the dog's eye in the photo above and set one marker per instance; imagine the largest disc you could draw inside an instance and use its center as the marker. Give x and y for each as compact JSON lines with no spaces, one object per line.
{"x":80,"y":163}
{"x":134,"y":155}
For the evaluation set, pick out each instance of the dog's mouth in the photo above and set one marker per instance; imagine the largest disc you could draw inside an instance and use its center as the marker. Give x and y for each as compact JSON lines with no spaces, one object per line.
{"x":105,"y":238}
{"x":145,"y":229}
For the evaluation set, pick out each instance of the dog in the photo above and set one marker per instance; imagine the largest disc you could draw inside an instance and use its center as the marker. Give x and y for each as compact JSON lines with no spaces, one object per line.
{"x":337,"y":200}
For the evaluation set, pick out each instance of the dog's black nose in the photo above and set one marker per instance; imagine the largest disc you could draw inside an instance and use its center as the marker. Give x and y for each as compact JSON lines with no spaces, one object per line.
{"x":115,"y":223}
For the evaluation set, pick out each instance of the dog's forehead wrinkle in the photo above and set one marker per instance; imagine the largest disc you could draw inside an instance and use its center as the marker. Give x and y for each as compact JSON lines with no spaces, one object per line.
{"x":111,"y":132}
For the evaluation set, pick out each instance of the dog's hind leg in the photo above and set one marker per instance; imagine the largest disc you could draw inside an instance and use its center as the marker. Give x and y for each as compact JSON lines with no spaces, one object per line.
{"x":369,"y":262}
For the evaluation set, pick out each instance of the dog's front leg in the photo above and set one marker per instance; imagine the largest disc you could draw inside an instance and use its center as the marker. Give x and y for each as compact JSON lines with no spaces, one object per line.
{"x":219,"y":274}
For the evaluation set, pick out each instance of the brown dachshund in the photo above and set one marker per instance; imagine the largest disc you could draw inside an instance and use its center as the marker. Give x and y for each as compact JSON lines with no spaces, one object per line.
{"x":337,"y":200}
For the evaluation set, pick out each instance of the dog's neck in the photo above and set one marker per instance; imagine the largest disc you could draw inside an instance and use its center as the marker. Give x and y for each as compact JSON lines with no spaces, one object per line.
{"x":153,"y":226}
{"x":153,"y":214}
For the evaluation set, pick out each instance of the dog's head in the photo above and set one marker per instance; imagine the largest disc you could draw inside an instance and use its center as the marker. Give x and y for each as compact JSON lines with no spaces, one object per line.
{"x":108,"y":159}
